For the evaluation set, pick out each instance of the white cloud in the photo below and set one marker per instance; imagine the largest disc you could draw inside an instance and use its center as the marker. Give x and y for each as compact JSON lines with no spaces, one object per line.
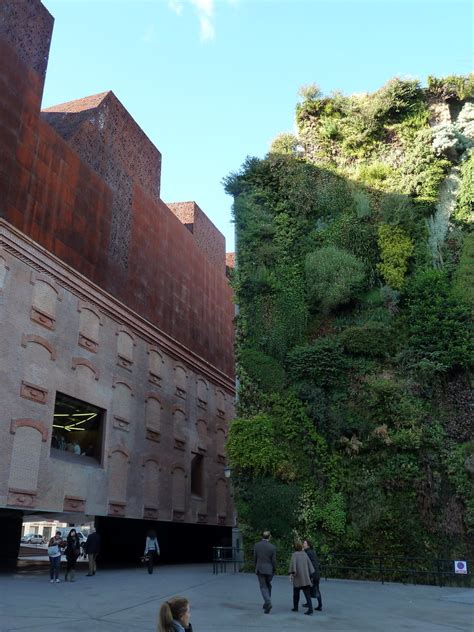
{"x":205,"y":10}
{"x":204,"y":7}
{"x":207,"y":31}
{"x":176,"y":6}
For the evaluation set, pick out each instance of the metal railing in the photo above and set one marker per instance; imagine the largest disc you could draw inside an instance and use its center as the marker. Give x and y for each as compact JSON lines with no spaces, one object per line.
{"x":383,"y":568}
{"x":393,"y":568}
{"x":227,"y":555}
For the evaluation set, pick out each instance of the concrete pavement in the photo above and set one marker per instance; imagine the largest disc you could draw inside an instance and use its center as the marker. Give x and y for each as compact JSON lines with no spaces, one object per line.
{"x":129,"y":599}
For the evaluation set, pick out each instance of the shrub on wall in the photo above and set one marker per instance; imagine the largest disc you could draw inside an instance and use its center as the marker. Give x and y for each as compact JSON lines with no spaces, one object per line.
{"x":454,"y":86}
{"x":464,"y":213}
{"x":333,"y":277}
{"x":377,"y":175}
{"x":371,"y":339}
{"x":270,"y":504}
{"x":396,"y":248}
{"x":463,"y":277}
{"x":321,"y":362}
{"x":421,"y":172}
{"x":284,"y":144}
{"x":438,"y":322}
{"x":396,"y":99}
{"x":252,"y":445}
{"x":356,"y":236}
{"x":457,"y":404}
{"x":263,"y":369}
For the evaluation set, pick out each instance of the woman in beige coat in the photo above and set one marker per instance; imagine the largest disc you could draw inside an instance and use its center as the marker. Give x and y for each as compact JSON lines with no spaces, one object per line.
{"x":301,"y":570}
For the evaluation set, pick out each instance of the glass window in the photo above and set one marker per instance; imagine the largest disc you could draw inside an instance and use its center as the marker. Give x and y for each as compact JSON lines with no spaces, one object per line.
{"x":77,"y":430}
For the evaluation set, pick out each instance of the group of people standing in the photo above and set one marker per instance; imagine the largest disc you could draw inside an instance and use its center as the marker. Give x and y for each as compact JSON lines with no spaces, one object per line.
{"x":304,"y":573}
{"x":71,"y":548}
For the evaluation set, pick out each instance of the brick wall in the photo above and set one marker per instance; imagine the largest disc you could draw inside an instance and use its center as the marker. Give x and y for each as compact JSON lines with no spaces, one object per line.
{"x":163,"y":406}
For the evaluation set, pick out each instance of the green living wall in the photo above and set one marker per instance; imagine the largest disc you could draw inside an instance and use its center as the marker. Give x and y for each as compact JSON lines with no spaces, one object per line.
{"x":354,"y":337}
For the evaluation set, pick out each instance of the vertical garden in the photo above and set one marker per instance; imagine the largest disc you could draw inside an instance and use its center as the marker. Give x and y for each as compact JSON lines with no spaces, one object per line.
{"x":354,"y":280}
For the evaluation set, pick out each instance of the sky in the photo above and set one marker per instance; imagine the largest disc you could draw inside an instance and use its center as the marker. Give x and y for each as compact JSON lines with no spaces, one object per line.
{"x":213,"y":81}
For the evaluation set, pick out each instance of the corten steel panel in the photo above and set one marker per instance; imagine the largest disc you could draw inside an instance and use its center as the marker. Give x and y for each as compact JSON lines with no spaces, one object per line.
{"x":47,"y":191}
{"x":209,"y":240}
{"x":27,"y":26}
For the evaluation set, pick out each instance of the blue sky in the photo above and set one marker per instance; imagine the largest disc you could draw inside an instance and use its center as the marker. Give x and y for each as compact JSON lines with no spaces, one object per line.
{"x":213,"y":81}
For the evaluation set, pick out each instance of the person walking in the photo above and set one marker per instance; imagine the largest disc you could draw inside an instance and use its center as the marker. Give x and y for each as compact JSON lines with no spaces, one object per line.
{"x":174,"y":616}
{"x":72,"y":552}
{"x":55,"y":547}
{"x":264,"y":557}
{"x":300,"y":571}
{"x":152,"y":550}
{"x":92,"y":550}
{"x":316,"y":576}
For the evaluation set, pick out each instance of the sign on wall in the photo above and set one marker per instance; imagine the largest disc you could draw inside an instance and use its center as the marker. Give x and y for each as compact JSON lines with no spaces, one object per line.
{"x":460,"y":567}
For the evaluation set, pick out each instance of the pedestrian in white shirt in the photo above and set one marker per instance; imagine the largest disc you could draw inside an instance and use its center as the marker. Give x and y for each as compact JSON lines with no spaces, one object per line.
{"x":152,"y":550}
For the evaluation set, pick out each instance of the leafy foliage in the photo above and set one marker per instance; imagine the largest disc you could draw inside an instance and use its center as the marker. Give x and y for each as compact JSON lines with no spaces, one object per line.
{"x":438,"y":323}
{"x":253,"y":445}
{"x":284,"y":144}
{"x":463,"y":285}
{"x":371,"y":339}
{"x":354,"y":338}
{"x":396,"y":248}
{"x":333,"y":276}
{"x":464,"y":213}
{"x":263,"y":369}
{"x":321,"y":362}
{"x":453,"y":87}
{"x":271,"y":502}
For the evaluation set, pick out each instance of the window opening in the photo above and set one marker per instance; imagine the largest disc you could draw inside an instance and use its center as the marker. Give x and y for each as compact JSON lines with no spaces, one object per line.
{"x":197,"y":475}
{"x":77,"y":430}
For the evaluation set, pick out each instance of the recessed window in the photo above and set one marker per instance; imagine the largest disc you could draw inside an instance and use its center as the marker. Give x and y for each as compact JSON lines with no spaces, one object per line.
{"x":77,"y":430}
{"x":197,"y":475}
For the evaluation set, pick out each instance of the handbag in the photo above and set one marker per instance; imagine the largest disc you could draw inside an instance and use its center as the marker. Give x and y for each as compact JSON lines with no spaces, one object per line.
{"x":53,"y":550}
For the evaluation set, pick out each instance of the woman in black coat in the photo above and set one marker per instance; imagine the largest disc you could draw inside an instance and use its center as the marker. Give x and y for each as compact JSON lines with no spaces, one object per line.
{"x":72,"y":552}
{"x":311,"y":553}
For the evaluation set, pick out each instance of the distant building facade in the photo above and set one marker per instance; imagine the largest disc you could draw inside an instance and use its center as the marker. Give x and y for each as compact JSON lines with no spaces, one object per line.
{"x":116,"y":343}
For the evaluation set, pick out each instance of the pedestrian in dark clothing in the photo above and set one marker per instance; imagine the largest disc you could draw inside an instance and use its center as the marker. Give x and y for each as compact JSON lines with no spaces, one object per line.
{"x":264,"y":557}
{"x":72,"y":552}
{"x":316,"y":576}
{"x":152,"y":549}
{"x":301,"y":571}
{"x":92,"y":550}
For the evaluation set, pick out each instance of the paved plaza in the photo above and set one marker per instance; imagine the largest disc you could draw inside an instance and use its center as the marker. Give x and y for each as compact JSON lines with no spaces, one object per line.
{"x":127,"y":600}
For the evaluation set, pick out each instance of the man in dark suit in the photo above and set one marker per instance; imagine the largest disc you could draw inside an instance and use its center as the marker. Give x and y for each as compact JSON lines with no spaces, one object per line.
{"x":92,"y":548}
{"x":264,"y":557}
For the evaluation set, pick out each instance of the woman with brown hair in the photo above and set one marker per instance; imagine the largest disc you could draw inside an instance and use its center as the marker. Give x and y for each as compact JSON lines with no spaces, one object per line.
{"x":174,"y":616}
{"x":301,"y":570}
{"x":72,"y":552}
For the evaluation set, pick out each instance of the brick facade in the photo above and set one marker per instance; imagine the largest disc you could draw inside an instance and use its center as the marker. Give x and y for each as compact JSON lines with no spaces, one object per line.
{"x":105,"y":296}
{"x":177,"y":405}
